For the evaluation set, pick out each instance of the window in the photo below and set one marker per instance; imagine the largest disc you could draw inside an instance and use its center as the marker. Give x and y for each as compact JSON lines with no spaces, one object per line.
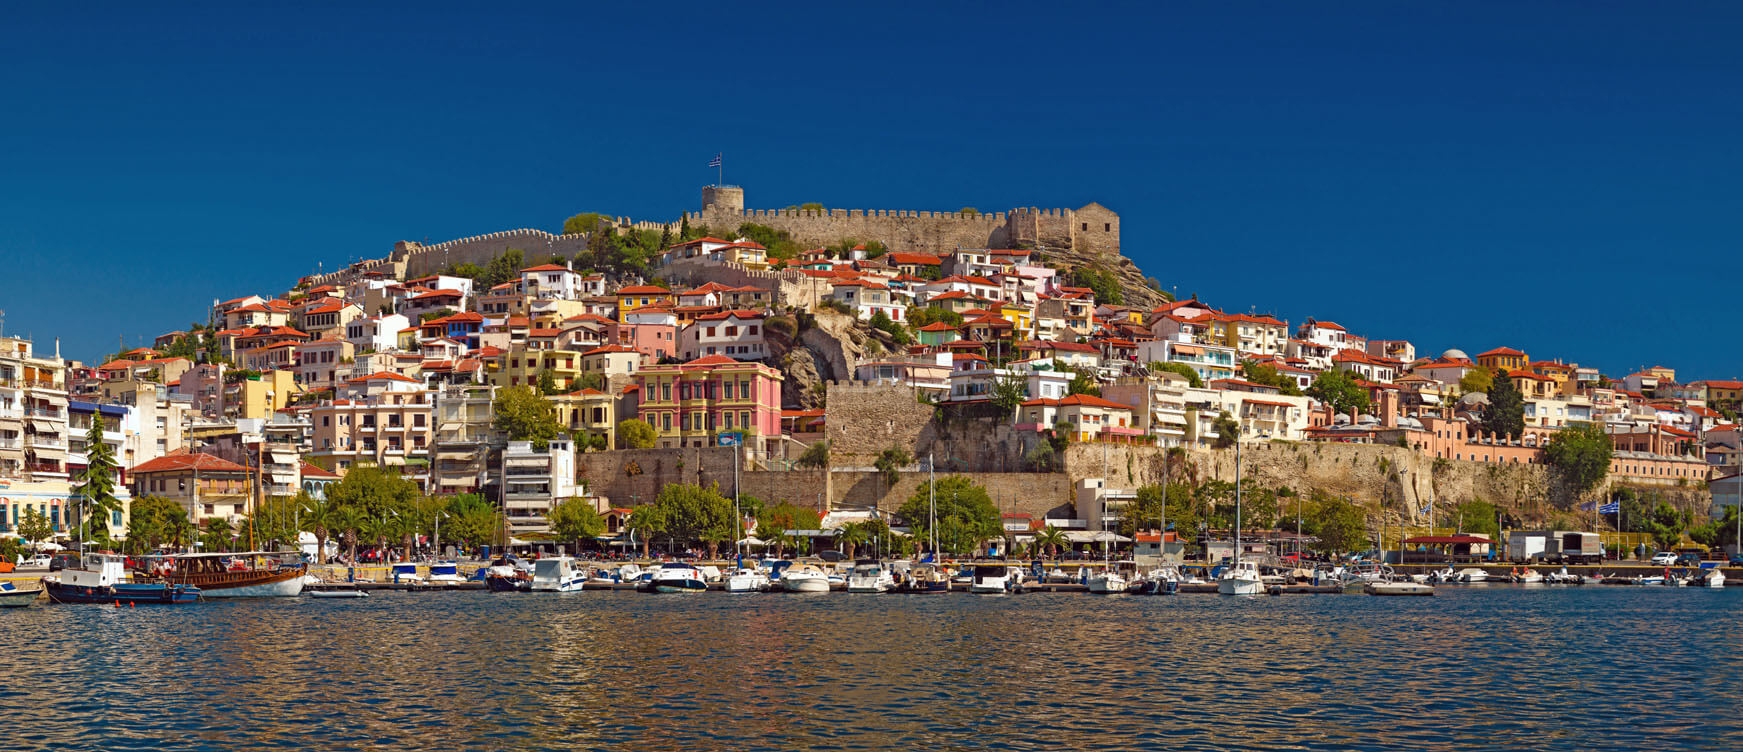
{"x":666,"y":421}
{"x":744,"y":418}
{"x":1086,"y":227}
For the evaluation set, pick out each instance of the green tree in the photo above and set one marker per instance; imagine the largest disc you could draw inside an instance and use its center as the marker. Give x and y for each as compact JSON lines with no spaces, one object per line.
{"x":350,"y":521}
{"x":1009,"y":392}
{"x":584,"y":223}
{"x":1228,"y":431}
{"x":1580,"y":454}
{"x":775,"y":521}
{"x":316,"y":518}
{"x":635,"y":433}
{"x":34,"y":526}
{"x":645,"y":522}
{"x":890,"y":461}
{"x":575,"y":519}
{"x":471,"y":521}
{"x":816,"y":456}
{"x":97,"y":486}
{"x":1340,"y":390}
{"x":918,"y":317}
{"x":851,"y":536}
{"x":1267,"y":374}
{"x":965,"y":514}
{"x":591,"y":380}
{"x":216,"y":534}
{"x":1083,"y":382}
{"x":548,"y":383}
{"x":374,"y":490}
{"x":153,"y":521}
{"x":1505,"y":415}
{"x":1052,"y":539}
{"x":883,"y":323}
{"x":1105,"y":283}
{"x":1145,"y":511}
{"x":525,"y":416}
{"x":1476,"y":380}
{"x":1478,"y":517}
{"x":1192,"y":377}
{"x":1336,"y":525}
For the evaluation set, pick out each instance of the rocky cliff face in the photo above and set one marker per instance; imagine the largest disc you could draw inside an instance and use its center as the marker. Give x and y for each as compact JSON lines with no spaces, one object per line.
{"x":1136,"y":294}
{"x":828,"y":347}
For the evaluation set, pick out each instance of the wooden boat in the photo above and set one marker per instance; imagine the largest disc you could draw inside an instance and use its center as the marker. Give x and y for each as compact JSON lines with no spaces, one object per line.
{"x":103,"y":579}
{"x":251,"y":574}
{"x":12,"y":596}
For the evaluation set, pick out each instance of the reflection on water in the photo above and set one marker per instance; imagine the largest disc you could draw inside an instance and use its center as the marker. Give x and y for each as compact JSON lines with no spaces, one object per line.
{"x":1489,"y":668}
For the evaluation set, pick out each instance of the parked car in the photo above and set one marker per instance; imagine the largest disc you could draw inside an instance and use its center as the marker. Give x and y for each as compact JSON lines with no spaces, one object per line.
{"x":1688,"y":560}
{"x":1737,"y":560}
{"x":39,"y":561}
{"x":1664,"y":559}
{"x":63,"y":560}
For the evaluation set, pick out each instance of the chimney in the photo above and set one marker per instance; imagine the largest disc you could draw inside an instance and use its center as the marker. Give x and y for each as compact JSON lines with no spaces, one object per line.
{"x":1388,"y":409}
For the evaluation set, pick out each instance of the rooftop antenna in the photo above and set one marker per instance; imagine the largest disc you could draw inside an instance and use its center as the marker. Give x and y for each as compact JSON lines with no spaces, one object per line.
{"x":2,"y":322}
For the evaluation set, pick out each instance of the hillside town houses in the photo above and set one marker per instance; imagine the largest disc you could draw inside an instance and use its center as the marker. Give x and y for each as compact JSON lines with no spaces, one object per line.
{"x":289,"y":392}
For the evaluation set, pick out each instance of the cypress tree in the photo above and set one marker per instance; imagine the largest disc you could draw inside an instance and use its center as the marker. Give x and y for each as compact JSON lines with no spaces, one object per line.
{"x":1506,"y":413}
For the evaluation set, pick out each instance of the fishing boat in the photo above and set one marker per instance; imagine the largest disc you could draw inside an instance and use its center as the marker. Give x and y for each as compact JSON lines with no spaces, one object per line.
{"x":805,"y":578}
{"x":870,"y":576}
{"x":1528,"y":576}
{"x":674,"y":577}
{"x":557,"y":575}
{"x":102,"y":578}
{"x":12,"y":596}
{"x":996,"y":578}
{"x":252,"y":574}
{"x":1562,"y":577}
{"x":747,"y":580}
{"x":927,"y":578}
{"x":508,"y":574}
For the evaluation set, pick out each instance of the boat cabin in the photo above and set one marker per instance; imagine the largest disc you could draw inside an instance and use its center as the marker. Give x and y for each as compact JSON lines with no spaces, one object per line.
{"x":99,"y":570}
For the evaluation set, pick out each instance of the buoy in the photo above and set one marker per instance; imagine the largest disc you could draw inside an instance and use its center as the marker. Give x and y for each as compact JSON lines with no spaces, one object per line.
{"x":117,"y":602}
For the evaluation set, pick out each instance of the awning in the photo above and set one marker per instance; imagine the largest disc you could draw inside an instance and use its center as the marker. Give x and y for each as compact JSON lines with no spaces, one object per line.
{"x":462,"y":455}
{"x":53,"y":399}
{"x":284,"y":458}
{"x":1187,"y":350}
{"x":43,"y":426}
{"x":283,"y":479}
{"x":1429,"y":398}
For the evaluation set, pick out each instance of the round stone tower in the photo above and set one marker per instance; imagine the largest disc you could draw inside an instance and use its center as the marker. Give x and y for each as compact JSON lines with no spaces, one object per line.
{"x":728,"y":198}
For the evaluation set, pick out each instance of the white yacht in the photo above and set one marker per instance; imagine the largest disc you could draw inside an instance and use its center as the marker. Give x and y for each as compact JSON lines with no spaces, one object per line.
{"x":557,"y":575}
{"x":1115,"y":579}
{"x":870,"y":577}
{"x":805,"y":578}
{"x":747,"y":580}
{"x":1473,"y":574}
{"x":1715,"y":578}
{"x":406,"y":572}
{"x":1241,"y":578}
{"x":445,"y":572}
{"x":996,"y":578}
{"x":674,"y":577}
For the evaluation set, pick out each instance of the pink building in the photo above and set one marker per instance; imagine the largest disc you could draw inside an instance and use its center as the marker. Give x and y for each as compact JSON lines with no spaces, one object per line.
{"x":695,"y":403}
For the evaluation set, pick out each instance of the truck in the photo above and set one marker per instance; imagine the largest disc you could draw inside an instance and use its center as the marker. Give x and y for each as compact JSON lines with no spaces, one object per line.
{"x":1574,"y":547}
{"x":1526,"y":546}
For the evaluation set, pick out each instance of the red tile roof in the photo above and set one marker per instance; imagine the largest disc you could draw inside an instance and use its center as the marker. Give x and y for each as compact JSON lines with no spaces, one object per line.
{"x":311,"y":471}
{"x":643,"y":290}
{"x":1501,"y":351}
{"x":378,"y":375}
{"x":195,"y":462}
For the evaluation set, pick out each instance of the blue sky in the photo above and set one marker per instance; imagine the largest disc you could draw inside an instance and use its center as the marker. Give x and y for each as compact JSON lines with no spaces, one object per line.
{"x":1561,"y":178}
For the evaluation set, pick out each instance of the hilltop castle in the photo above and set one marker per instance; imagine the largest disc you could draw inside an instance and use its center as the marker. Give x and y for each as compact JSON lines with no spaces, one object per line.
{"x":1092,"y":230}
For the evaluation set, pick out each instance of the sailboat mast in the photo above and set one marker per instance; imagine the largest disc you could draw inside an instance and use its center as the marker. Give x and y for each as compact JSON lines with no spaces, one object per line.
{"x":1237,"y":500}
{"x":932,"y":503}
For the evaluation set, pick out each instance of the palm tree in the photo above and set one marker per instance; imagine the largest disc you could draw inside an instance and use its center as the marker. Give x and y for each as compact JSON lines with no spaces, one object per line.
{"x":852,"y":535}
{"x":317,"y":518}
{"x":1052,"y":538}
{"x":383,"y":529}
{"x":646,"y":521}
{"x":349,"y":521}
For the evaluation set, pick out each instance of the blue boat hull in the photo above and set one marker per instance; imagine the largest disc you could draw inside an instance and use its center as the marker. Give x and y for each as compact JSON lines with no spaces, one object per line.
{"x":126,"y":593}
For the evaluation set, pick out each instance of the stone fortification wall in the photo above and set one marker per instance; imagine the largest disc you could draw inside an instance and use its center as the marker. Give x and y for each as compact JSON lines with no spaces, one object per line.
{"x":1387,"y":477}
{"x":635,"y":477}
{"x":900,"y":230}
{"x":790,"y":287}
{"x":410,"y":259}
{"x":865,"y":419}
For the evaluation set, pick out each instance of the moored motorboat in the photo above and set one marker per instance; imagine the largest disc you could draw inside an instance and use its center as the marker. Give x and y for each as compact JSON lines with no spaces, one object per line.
{"x":805,"y":578}
{"x":1399,"y":588}
{"x":102,"y":578}
{"x":1241,"y":578}
{"x":445,"y":572}
{"x":747,"y":580}
{"x":557,"y":574}
{"x":1527,"y":576}
{"x":1473,"y":574}
{"x":12,"y":596}
{"x":1562,"y":577}
{"x":926,"y":578}
{"x":870,"y":577}
{"x":508,"y":574}
{"x":338,"y":591}
{"x":1715,"y":578}
{"x":996,"y":578}
{"x":674,"y":577}
{"x":406,"y":573}
{"x":1160,"y":581}
{"x":1115,"y":579}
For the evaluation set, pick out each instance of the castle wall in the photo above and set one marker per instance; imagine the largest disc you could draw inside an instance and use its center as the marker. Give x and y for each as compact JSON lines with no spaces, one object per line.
{"x":899,"y":230}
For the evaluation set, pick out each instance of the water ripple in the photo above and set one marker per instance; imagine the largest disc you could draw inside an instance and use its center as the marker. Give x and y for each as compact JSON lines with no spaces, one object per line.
{"x":1498,"y":667}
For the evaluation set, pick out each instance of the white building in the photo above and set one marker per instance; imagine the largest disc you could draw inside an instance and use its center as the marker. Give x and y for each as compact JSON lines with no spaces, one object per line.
{"x":377,"y":333}
{"x":735,"y":334}
{"x":536,"y":481}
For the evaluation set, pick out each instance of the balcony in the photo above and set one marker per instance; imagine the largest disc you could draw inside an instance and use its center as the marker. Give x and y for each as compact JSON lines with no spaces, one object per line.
{"x":44,"y":412}
{"x":11,"y":443}
{"x":46,"y":442}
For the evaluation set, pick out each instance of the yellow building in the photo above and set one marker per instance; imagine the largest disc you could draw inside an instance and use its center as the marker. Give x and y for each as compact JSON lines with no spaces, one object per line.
{"x":266,"y":394}
{"x":588,"y":412}
{"x":642,"y":296}
{"x":1022,"y":319}
{"x":1505,"y":358}
{"x":521,"y":367}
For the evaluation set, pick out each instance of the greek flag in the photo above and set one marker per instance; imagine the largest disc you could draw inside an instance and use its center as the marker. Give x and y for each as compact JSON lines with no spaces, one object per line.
{"x":1610,"y":508}
{"x":715,"y":162}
